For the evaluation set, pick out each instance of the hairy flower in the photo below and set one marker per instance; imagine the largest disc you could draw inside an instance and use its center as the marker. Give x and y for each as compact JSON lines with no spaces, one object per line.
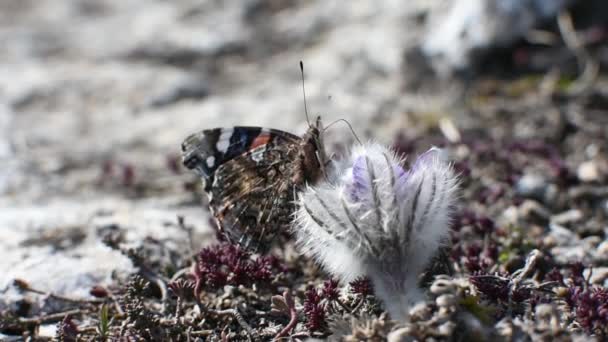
{"x":374,"y":218}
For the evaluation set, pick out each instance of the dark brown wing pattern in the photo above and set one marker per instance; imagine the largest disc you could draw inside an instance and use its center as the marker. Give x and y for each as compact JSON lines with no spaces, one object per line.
{"x":252,"y":176}
{"x":252,"y":196}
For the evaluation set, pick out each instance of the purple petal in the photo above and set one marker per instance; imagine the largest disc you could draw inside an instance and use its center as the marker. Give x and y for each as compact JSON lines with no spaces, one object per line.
{"x":426,"y":159}
{"x":359,"y":186}
{"x":399,"y":171}
{"x":400,"y":175}
{"x":408,"y":184}
{"x":360,"y":183}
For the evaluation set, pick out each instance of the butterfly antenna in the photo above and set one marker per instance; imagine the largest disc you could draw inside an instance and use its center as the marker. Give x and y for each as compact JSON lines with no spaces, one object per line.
{"x":349,"y":126}
{"x":304,"y":92}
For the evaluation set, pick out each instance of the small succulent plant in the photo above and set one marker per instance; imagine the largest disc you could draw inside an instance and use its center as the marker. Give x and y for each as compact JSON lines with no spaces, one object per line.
{"x":314,"y":308}
{"x":228,"y":264}
{"x":376,"y":219}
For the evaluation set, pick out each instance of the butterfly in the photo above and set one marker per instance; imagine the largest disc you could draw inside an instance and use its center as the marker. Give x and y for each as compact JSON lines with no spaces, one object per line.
{"x":252,"y":176}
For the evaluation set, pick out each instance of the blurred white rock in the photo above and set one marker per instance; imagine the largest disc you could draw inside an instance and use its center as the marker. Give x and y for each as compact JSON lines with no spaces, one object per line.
{"x":588,"y":171}
{"x":57,"y":248}
{"x":467,"y":26}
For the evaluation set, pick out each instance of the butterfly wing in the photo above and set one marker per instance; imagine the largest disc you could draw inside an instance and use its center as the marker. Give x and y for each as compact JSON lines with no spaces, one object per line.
{"x":248,"y":174}
{"x":253,"y":195}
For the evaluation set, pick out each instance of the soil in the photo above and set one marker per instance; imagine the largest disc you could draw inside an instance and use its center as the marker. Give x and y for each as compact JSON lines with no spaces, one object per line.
{"x":101,"y":224}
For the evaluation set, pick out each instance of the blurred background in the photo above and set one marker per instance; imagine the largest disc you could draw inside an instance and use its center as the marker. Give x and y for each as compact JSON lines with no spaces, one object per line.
{"x":97,"y":96}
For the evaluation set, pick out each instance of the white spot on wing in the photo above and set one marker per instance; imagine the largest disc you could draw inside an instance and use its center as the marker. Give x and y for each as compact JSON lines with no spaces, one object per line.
{"x":210,"y":161}
{"x":224,"y":141}
{"x":258,"y":155}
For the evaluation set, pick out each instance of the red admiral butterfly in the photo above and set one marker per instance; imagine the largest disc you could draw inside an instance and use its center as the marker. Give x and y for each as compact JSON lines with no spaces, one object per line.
{"x":252,"y":175}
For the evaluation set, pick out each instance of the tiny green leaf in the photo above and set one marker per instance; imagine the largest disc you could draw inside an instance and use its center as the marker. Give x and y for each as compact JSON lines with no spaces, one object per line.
{"x":104,"y":323}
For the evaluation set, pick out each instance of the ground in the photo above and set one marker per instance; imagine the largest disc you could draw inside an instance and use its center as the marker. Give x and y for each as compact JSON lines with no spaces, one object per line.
{"x":97,"y":96}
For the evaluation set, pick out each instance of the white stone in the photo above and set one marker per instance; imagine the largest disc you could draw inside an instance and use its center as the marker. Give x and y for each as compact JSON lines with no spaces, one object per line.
{"x":400,"y":335}
{"x":569,"y":216}
{"x":588,"y":171}
{"x":602,"y":250}
{"x":562,"y":235}
{"x":599,"y":275}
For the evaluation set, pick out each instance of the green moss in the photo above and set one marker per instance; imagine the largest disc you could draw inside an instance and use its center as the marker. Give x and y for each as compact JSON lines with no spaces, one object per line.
{"x":481,"y":312}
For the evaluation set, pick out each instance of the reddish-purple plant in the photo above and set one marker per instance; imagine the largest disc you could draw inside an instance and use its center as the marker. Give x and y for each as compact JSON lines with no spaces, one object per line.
{"x":182,"y":288}
{"x":462,"y":168}
{"x":330,"y":289}
{"x":482,"y":224}
{"x":261,"y":268}
{"x":128,"y":175}
{"x":520,"y":294}
{"x":403,"y":145}
{"x":480,"y":252}
{"x":476,"y":259}
{"x":491,"y":194}
{"x":107,"y":168}
{"x":173,"y":162}
{"x":462,"y":219}
{"x":591,"y":308}
{"x":314,"y":310}
{"x":589,"y":303}
{"x":67,"y":330}
{"x":576,"y":274}
{"x":362,"y":286}
{"x":495,"y":288}
{"x":533,"y":146}
{"x":500,"y":288}
{"x":555,"y":275}
{"x":208,"y":268}
{"x":537,"y":299}
{"x":228,"y":264}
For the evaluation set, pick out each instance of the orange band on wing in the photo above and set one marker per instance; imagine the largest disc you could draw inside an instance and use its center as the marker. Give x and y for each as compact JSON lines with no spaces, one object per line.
{"x":260,"y":140}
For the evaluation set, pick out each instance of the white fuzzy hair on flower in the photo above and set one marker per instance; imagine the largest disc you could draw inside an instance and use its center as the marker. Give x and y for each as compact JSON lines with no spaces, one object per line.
{"x":376,"y":219}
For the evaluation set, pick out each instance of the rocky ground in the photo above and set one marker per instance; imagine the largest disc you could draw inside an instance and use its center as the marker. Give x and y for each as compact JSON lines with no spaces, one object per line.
{"x":97,"y":96}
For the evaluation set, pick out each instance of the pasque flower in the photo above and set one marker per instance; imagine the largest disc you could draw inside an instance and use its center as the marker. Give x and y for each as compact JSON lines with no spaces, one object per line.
{"x":374,"y":218}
